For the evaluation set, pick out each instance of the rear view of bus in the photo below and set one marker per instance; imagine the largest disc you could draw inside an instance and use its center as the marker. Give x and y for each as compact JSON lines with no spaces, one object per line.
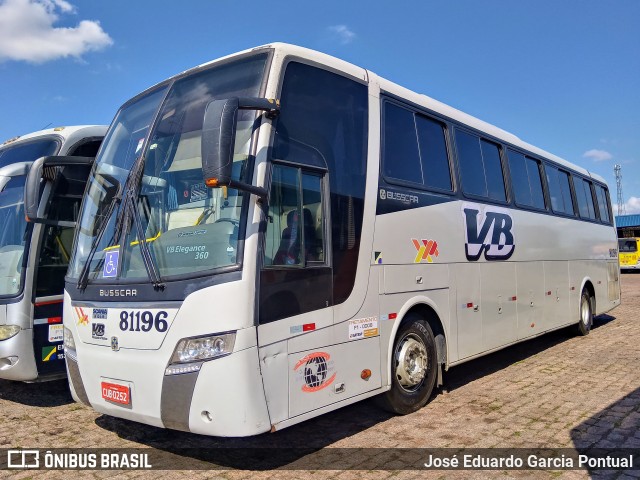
{"x":34,"y":256}
{"x":628,"y":253}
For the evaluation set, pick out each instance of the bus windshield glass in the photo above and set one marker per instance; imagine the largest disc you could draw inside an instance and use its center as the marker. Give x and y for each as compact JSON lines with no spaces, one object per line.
{"x":627,"y":245}
{"x":187,"y":227}
{"x":28,"y":151}
{"x":12,"y":236}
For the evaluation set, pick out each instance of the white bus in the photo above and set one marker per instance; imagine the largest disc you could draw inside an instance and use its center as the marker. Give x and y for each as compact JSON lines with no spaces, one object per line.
{"x":244,"y":264}
{"x":34,"y":257}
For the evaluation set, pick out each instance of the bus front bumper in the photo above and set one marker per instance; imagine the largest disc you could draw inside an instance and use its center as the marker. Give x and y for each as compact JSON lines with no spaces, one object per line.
{"x":224,"y":398}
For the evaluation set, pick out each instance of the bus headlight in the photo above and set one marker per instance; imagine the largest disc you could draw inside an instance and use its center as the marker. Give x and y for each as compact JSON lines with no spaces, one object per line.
{"x":203,"y":348}
{"x":8,"y":331}
{"x":69,"y":342}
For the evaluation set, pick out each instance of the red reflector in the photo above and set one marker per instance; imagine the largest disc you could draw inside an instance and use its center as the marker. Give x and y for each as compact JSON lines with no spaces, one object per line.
{"x":54,"y":320}
{"x":513,"y":299}
{"x":308,"y":326}
{"x":50,"y":302}
{"x":469,"y":305}
{"x":393,"y":316}
{"x":573,"y":288}
{"x":549,"y":292}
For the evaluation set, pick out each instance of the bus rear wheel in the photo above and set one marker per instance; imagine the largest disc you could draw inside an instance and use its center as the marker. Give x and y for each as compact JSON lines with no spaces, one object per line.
{"x":586,"y":313}
{"x":413,"y":367}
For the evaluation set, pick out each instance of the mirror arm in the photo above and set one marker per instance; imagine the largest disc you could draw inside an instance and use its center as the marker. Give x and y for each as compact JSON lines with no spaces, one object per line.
{"x":270,"y":106}
{"x":260,"y":192}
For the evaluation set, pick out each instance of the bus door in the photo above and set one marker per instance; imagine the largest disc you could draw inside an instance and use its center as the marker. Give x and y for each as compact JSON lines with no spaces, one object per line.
{"x":295,"y":282}
{"x":62,"y":188}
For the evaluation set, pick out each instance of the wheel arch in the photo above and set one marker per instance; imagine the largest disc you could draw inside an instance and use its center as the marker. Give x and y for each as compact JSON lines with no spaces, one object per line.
{"x":587,"y":284}
{"x":428,"y":310}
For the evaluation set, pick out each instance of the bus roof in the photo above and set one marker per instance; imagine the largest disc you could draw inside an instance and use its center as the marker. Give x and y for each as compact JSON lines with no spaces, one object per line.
{"x":66,"y":133}
{"x":285,"y":49}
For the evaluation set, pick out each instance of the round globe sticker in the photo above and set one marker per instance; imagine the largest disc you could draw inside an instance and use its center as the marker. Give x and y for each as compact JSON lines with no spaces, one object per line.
{"x":316,"y":370}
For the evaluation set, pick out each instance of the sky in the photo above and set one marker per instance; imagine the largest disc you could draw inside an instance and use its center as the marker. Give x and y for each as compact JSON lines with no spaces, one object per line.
{"x":561,"y":75}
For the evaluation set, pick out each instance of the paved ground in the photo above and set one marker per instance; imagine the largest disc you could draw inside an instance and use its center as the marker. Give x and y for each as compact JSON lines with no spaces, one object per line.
{"x":556,"y":391}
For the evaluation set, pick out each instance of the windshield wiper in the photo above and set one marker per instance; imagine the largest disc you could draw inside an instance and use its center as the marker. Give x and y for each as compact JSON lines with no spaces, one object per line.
{"x":128,"y":206}
{"x":147,"y":258}
{"x":83,"y":279}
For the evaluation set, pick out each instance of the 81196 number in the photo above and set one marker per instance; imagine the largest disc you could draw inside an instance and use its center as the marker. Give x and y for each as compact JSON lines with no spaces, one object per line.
{"x":143,"y":321}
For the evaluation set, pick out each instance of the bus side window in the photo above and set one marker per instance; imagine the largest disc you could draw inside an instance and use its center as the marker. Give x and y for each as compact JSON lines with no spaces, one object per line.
{"x":585,"y":199}
{"x":295,"y":228}
{"x":603,"y":204}
{"x":86,"y":149}
{"x":526,"y":181}
{"x":480,"y":166}
{"x":559,"y":190}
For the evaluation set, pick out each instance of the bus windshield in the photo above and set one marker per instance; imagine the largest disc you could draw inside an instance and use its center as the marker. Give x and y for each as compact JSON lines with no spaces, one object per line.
{"x":28,"y":151}
{"x":12,"y":236}
{"x":627,"y":245}
{"x":187,"y":227}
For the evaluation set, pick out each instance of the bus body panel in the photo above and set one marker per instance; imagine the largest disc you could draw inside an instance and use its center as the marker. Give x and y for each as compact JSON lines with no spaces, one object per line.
{"x":418,"y":252}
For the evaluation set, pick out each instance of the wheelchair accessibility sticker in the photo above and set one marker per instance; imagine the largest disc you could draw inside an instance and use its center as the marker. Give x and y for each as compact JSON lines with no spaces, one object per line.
{"x":110,"y":267}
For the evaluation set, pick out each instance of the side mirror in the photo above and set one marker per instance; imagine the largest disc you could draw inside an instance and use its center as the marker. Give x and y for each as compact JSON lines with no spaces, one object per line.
{"x":47,"y":167}
{"x":219,"y":137}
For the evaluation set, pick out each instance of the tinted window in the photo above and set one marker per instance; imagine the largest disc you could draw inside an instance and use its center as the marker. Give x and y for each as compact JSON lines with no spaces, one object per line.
{"x":433,"y":151}
{"x":559,"y":190}
{"x":585,"y":200}
{"x":401,"y":155}
{"x":415,"y":149}
{"x":535,"y":182}
{"x":480,"y":166}
{"x":295,"y":233}
{"x":526,"y":181}
{"x":28,"y":152}
{"x":471,"y":168}
{"x":519,"y":178}
{"x":87,"y":149}
{"x":603,"y":203}
{"x":627,"y":245}
{"x":323,"y":120}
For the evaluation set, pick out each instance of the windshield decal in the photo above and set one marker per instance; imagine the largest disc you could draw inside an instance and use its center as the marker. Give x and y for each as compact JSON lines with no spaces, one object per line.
{"x":110,"y":268}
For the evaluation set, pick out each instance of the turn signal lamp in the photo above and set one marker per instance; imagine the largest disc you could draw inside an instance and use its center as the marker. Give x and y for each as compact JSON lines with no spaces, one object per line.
{"x":212,"y":182}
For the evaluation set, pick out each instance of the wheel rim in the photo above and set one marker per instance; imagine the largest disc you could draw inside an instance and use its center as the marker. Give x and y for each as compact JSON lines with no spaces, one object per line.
{"x":585,"y":311}
{"x":411,"y":362}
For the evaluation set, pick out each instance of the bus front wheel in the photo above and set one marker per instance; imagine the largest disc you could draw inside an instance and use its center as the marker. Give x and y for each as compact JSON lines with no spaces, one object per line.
{"x":586,"y":313}
{"x":413,"y":367}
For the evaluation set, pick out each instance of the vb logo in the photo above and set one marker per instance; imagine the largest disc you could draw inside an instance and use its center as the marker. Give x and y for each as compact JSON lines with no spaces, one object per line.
{"x":426,"y":250}
{"x":488,"y":230}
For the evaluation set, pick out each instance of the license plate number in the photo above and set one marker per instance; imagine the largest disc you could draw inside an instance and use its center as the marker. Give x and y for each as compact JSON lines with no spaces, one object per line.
{"x":115,"y":393}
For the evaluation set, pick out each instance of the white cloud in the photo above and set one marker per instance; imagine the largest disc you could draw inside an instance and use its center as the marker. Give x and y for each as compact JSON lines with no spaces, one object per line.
{"x":598,"y":155}
{"x":343,"y":33}
{"x":631,"y":206}
{"x":27,"y":32}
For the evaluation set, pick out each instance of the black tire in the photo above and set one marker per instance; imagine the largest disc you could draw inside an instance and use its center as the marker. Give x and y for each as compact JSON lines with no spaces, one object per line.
{"x":586,"y":313}
{"x":404,"y":398}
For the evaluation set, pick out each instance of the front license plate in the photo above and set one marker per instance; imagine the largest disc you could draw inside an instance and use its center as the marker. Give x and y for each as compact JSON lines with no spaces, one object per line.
{"x":115,"y":393}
